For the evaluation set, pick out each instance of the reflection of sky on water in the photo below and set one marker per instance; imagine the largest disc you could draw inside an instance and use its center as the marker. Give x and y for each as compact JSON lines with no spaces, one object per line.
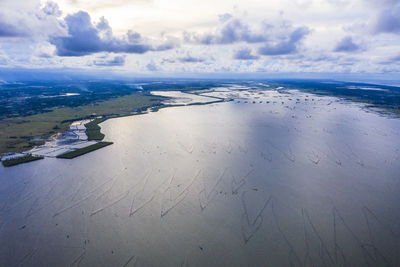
{"x":230,"y":184}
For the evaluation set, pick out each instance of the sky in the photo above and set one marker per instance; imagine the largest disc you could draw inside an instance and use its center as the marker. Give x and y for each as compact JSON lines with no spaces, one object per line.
{"x":205,"y":37}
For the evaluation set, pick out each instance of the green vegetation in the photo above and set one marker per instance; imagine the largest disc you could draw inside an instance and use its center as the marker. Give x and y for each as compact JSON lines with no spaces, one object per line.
{"x":16,"y":134}
{"x":93,"y":129}
{"x":79,"y":152}
{"x":26,"y":98}
{"x":16,"y":161}
{"x":35,"y":97}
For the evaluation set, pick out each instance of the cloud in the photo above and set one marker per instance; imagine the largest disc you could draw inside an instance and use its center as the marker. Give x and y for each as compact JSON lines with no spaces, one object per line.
{"x":346,"y":45}
{"x":288,"y":45}
{"x":8,"y":30}
{"x":28,"y":20}
{"x":380,"y":3}
{"x":116,"y":61}
{"x":397,"y":58}
{"x":3,"y":60}
{"x":391,"y":60}
{"x":84,"y":38}
{"x":339,"y":3}
{"x":105,"y":4}
{"x":44,"y":55}
{"x":190,"y":59}
{"x":224,"y":17}
{"x":244,"y":54}
{"x":152,"y":66}
{"x":233,"y":31}
{"x":33,"y":32}
{"x":278,"y":38}
{"x":388,"y":20}
{"x":167,"y":60}
{"x":51,"y":9}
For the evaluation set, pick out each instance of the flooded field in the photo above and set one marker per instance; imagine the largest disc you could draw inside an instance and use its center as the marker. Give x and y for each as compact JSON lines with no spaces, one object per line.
{"x":181,"y":98}
{"x":268,"y":179}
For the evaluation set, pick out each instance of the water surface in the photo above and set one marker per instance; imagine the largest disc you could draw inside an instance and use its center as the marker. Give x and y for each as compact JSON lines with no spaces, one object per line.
{"x":269,"y":179}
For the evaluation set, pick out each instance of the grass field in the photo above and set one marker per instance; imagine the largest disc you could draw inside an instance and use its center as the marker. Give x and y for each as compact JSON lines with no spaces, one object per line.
{"x":93,"y":129}
{"x":16,"y":134}
{"x":82,"y":151}
{"x":25,"y":159}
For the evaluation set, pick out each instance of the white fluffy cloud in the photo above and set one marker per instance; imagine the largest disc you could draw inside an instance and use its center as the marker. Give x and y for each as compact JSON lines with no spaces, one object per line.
{"x":212,"y":36}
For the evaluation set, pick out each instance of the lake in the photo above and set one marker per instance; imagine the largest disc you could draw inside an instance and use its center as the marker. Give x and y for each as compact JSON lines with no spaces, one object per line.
{"x":272,"y":178}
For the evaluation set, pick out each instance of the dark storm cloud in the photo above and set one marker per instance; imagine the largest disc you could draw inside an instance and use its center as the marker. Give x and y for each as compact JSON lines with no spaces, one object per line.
{"x":84,"y":38}
{"x":116,"y":61}
{"x":346,"y":45}
{"x":287,"y":46}
{"x":244,"y":54}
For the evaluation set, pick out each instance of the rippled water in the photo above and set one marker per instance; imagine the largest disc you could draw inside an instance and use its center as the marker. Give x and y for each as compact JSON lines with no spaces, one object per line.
{"x":254,"y":182}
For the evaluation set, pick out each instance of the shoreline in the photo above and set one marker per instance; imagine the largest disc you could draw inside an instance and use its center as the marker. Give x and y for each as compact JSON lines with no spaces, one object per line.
{"x":93,"y":130}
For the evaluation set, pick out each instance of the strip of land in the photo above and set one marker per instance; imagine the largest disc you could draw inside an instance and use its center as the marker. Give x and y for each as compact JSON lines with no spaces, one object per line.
{"x":82,"y":151}
{"x":20,"y":160}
